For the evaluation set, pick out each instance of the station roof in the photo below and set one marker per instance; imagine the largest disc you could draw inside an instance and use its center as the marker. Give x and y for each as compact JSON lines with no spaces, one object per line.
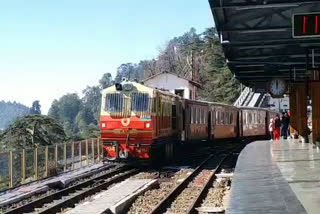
{"x":257,"y":40}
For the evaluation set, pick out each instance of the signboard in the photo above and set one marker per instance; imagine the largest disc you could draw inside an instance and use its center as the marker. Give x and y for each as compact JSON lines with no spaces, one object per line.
{"x":306,"y":25}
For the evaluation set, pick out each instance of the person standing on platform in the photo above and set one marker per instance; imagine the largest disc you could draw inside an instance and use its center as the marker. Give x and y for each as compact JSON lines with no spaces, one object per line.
{"x":271,"y":128}
{"x":277,"y":125}
{"x":285,"y":124}
{"x":289,"y":125}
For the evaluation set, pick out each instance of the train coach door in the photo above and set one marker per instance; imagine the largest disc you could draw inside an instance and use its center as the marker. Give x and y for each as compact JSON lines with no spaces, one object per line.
{"x":209,"y":124}
{"x":158,"y":114}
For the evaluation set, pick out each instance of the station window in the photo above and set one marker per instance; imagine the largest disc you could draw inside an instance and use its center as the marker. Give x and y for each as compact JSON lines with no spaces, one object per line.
{"x":205,"y":117}
{"x":200,"y":116}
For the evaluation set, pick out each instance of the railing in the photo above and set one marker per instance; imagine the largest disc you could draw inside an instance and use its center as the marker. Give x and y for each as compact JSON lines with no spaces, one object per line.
{"x":254,"y":99}
{"x":262,"y":100}
{"x":242,"y":97}
{"x":21,"y":167}
{"x":248,"y":99}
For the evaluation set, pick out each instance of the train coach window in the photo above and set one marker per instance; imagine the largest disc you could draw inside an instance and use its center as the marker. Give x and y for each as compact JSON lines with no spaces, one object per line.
{"x":139,"y":102}
{"x":202,"y":116}
{"x":205,"y":117}
{"x":191,"y":115}
{"x":249,"y":118}
{"x":194,"y":115}
{"x":231,"y":118}
{"x":197,"y":117}
{"x":222,"y":118}
{"x":114,"y":102}
{"x":226,"y":119}
{"x":217,"y":117}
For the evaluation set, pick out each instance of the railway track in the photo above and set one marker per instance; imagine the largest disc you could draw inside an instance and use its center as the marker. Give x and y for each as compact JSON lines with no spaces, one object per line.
{"x":188,"y":195}
{"x":68,"y":197}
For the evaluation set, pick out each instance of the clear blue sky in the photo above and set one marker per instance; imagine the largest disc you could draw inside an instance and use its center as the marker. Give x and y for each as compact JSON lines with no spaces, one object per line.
{"x":49,"y":48}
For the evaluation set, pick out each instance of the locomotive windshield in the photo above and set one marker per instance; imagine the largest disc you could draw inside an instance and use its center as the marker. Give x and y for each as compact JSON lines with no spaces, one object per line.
{"x":114,"y":102}
{"x":139,"y":102}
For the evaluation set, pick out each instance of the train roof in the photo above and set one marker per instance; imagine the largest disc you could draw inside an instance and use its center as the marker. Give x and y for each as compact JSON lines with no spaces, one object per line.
{"x":252,"y":108}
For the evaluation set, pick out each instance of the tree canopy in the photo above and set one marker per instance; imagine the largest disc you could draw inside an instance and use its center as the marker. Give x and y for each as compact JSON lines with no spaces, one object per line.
{"x":36,"y":107}
{"x":32,"y":131}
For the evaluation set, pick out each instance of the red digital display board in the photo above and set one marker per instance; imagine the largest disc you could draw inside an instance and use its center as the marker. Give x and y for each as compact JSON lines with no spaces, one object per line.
{"x":306,"y":25}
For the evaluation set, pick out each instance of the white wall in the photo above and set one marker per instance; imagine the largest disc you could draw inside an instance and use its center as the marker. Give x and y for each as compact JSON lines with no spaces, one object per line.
{"x":280,"y":104}
{"x":170,"y":82}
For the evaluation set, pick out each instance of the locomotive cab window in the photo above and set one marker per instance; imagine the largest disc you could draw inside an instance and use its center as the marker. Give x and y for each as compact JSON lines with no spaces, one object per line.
{"x":139,"y":102}
{"x":114,"y":102}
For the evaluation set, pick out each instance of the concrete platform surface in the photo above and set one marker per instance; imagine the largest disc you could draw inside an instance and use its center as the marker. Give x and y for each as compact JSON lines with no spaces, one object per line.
{"x":64,"y":179}
{"x":115,"y":198}
{"x":276,"y":177}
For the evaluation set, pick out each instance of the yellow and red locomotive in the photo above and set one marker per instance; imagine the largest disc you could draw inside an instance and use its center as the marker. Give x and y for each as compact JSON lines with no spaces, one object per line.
{"x":139,"y":122}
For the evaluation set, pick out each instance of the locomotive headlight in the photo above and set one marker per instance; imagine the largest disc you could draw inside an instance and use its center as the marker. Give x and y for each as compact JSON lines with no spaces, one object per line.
{"x":103,"y":125}
{"x":147,"y":125}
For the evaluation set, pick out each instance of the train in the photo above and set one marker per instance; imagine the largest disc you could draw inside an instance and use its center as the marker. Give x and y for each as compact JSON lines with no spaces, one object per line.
{"x":142,"y":123}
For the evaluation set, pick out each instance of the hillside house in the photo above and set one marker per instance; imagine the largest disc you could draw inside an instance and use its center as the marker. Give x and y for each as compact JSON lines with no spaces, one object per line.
{"x":173,"y":83}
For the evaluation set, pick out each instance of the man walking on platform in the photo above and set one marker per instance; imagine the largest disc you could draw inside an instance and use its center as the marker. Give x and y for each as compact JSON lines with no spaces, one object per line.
{"x":277,"y":124}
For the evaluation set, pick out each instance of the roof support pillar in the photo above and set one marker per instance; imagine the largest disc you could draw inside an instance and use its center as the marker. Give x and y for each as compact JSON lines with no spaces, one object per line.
{"x":315,"y":96}
{"x":293,"y":112}
{"x":301,"y":103}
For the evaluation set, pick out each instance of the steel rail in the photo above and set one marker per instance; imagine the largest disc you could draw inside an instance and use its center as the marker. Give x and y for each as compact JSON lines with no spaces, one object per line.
{"x":29,"y":207}
{"x":70,"y":202}
{"x":206,"y":186}
{"x":160,"y":208}
{"x":165,"y":203}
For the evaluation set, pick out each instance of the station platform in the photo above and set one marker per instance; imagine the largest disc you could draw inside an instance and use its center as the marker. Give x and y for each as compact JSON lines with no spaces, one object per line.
{"x":276,"y":177}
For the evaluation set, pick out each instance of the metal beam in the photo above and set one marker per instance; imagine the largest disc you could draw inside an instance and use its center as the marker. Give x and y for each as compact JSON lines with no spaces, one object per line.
{"x":217,"y":4}
{"x":257,"y":30}
{"x":273,"y":56}
{"x":265,"y":41}
{"x":251,"y":63}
